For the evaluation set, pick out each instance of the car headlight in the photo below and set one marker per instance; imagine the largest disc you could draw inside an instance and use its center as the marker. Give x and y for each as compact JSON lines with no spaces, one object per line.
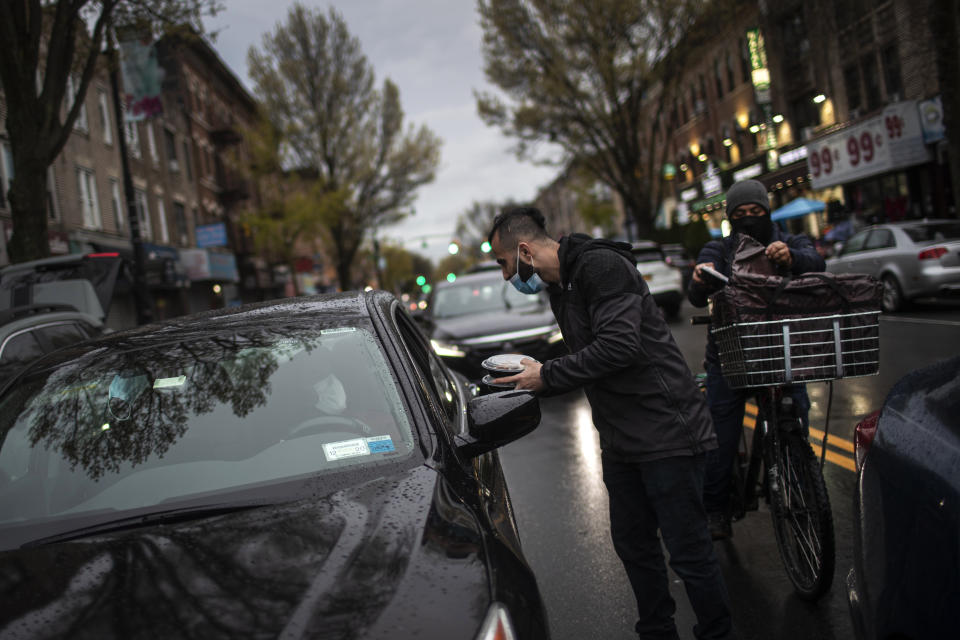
{"x":446,"y":350}
{"x":497,"y":625}
{"x":555,"y":337}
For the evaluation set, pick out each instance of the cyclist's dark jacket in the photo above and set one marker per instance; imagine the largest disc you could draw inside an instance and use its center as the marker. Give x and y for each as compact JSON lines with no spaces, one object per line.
{"x":720,"y":253}
{"x":645,"y":402}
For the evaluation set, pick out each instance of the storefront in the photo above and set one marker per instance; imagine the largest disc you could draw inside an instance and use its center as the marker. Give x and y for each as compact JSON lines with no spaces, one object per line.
{"x":213,"y":279}
{"x":882,"y":165}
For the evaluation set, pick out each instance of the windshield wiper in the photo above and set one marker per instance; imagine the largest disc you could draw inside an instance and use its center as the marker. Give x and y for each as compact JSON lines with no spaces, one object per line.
{"x":145,"y":520}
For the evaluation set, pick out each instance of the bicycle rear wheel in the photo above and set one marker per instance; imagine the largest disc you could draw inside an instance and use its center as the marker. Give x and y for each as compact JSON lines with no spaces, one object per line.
{"x":802,"y":518}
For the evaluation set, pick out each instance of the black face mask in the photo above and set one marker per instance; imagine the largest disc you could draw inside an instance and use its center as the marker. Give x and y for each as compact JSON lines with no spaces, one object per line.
{"x":760,"y":228}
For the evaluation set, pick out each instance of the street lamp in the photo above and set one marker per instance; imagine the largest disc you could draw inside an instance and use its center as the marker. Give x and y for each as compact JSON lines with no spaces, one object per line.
{"x":819,"y":98}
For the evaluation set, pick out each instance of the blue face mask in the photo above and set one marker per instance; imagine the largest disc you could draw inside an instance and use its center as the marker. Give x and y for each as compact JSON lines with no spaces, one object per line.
{"x":532,"y":284}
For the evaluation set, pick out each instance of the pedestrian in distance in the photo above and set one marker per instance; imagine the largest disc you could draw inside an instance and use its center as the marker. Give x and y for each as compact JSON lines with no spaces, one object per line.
{"x":653,"y":422}
{"x":748,"y":210}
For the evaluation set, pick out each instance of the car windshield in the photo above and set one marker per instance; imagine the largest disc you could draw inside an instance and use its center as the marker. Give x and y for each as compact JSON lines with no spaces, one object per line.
{"x":481,"y":296}
{"x":934,"y":232}
{"x":130,"y":428}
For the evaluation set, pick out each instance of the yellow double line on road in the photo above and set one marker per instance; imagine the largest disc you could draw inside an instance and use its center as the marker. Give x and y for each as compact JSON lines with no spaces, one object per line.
{"x":816,"y":437}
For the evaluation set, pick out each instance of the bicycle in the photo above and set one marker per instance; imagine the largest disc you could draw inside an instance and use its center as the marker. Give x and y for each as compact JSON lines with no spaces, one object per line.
{"x":766,"y":357}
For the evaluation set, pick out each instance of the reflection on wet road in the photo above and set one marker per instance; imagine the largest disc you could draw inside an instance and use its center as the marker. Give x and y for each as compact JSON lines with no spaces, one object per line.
{"x":561,"y":503}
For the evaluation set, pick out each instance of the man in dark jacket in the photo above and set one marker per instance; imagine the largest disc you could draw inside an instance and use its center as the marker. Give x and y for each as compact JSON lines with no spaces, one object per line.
{"x":654,"y":425}
{"x":748,"y":210}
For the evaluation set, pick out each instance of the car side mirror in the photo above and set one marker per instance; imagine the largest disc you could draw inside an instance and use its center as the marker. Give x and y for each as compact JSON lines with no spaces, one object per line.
{"x":498,"y":418}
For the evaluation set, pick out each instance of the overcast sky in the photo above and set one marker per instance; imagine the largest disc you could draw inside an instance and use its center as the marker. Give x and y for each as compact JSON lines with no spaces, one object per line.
{"x":431,"y":50}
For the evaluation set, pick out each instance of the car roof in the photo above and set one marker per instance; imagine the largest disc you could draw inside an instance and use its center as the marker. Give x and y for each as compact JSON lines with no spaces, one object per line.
{"x":18,"y":323}
{"x":301,"y":312}
{"x":645,"y":244}
{"x":486,"y":275}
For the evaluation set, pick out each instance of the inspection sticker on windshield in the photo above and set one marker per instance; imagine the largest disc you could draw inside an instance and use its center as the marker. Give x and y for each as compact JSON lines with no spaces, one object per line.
{"x":346,"y":449}
{"x":166,"y":383}
{"x":380,"y":444}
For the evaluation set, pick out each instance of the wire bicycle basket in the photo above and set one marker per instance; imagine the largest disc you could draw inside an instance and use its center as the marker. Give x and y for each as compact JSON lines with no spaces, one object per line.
{"x":802,"y":349}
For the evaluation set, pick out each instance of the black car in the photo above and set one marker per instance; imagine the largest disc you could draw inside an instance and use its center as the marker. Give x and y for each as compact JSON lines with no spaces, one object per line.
{"x":905,"y":580}
{"x":305,"y":468}
{"x":480,"y":315}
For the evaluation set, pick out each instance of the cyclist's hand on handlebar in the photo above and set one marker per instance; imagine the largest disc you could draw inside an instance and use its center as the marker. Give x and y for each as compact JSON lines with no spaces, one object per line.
{"x":779,"y":252}
{"x":698,"y":276}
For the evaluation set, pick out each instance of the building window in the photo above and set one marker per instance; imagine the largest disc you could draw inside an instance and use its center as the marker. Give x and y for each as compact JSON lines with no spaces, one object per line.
{"x":719,"y":77}
{"x":851,"y":82}
{"x":171,"y":144}
{"x":891,"y":73}
{"x":103,"y":108}
{"x":89,"y":204}
{"x":6,"y":174}
{"x":162,"y":216}
{"x":81,"y":123}
{"x":744,"y":60}
{"x":180,"y":216}
{"x":143,"y":213}
{"x":871,"y":81}
{"x":152,"y":144}
{"x":132,"y":133}
{"x":116,"y":203}
{"x":187,"y":165}
{"x":731,"y":81}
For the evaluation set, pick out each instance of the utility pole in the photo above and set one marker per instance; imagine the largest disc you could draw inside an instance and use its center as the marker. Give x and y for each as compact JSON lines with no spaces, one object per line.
{"x":141,"y":295}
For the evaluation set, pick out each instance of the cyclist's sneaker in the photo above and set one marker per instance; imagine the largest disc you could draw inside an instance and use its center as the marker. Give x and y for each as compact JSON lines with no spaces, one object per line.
{"x":718,"y":524}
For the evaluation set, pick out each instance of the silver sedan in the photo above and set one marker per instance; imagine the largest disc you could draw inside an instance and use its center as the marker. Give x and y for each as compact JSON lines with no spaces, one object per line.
{"x":913,"y":259}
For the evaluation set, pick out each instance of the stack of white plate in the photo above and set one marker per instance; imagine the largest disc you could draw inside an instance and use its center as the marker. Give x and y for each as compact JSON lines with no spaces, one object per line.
{"x":501,"y":366}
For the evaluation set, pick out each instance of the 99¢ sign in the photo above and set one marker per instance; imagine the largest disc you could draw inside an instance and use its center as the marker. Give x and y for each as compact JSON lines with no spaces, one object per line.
{"x":880,"y":144}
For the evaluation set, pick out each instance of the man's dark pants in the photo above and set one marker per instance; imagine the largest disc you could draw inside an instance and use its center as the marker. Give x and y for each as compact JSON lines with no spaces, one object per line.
{"x":726,"y":409}
{"x":666,"y":494}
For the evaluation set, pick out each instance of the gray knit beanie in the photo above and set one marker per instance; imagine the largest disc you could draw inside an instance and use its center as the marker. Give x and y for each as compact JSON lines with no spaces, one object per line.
{"x":747,"y":192}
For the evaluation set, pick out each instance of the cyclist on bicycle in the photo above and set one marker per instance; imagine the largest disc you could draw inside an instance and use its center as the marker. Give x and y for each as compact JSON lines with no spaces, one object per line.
{"x":748,"y":209}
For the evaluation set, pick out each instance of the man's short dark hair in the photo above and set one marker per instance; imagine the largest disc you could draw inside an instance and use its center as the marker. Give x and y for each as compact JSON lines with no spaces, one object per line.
{"x":520,"y":223}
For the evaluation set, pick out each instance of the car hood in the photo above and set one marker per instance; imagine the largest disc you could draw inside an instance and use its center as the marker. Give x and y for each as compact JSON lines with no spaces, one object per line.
{"x":484,"y":324}
{"x":397,"y":554}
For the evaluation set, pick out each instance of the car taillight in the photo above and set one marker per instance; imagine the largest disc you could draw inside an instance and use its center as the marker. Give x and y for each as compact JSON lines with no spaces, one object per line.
{"x":931,"y":254}
{"x":863,"y":436}
{"x":497,"y":624}
{"x":112,"y":254}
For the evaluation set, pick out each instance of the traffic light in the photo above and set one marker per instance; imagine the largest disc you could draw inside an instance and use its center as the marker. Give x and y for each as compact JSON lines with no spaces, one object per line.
{"x":421,"y":281}
{"x":451,"y":277}
{"x":426,"y":288}
{"x":453,"y":248}
{"x":485,"y":247}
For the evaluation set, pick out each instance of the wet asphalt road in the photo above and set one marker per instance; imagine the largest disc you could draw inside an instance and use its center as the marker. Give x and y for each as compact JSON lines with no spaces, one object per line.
{"x":560,"y":502}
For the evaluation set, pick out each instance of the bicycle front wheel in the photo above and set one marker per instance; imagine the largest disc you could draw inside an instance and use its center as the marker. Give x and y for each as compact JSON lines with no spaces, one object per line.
{"x":802,"y":518}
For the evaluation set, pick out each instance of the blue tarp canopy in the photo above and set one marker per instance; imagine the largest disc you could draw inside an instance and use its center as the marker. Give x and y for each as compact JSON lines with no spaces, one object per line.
{"x":797,"y":208}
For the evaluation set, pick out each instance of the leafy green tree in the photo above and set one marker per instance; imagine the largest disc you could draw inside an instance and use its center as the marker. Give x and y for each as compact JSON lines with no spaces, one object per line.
{"x":577,"y":74}
{"x":295,"y":208}
{"x":318,"y":90}
{"x":43,"y":42}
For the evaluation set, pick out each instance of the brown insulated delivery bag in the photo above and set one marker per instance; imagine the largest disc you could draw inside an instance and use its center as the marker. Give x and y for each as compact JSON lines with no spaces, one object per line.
{"x":773,"y":329}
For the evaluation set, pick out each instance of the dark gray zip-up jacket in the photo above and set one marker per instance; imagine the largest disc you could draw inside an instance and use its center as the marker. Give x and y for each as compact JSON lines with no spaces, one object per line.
{"x":645,"y":402}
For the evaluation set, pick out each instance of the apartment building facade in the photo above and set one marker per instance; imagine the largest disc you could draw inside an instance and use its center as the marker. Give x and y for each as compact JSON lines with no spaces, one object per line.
{"x":793,"y":80}
{"x":188,"y":191}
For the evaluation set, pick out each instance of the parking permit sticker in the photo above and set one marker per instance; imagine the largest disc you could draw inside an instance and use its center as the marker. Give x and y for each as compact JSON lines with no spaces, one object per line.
{"x":337,"y":330}
{"x":380,"y":444}
{"x":346,"y":449}
{"x":166,"y":383}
